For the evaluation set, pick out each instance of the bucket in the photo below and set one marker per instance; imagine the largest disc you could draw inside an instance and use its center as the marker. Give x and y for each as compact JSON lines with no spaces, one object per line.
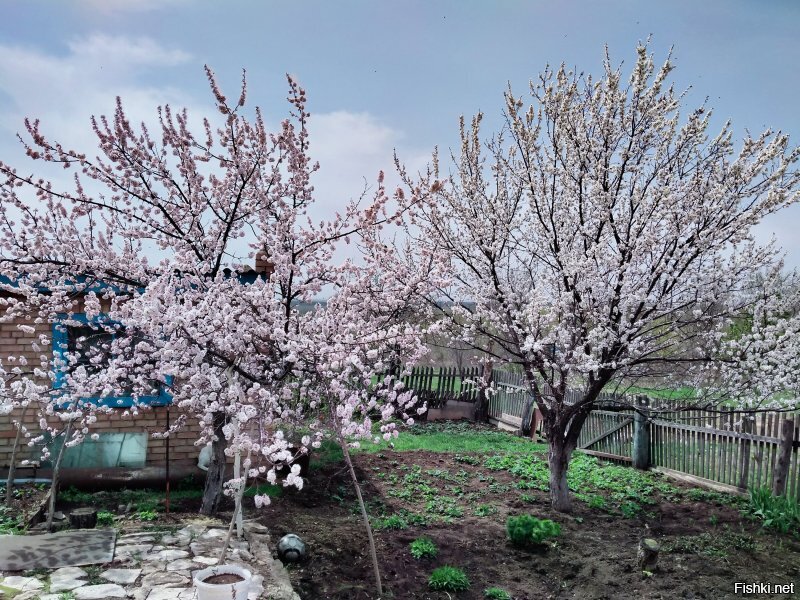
{"x":222,"y":591}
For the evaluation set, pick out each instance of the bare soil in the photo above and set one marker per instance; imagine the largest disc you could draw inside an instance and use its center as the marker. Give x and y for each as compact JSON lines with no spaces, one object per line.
{"x":593,"y":559}
{"x":223,"y":579}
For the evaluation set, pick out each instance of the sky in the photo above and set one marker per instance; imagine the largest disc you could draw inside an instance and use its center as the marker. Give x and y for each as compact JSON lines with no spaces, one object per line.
{"x":383,"y":76}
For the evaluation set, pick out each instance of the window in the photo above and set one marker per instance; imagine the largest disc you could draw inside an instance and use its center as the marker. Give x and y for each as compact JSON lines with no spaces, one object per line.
{"x":88,"y":344}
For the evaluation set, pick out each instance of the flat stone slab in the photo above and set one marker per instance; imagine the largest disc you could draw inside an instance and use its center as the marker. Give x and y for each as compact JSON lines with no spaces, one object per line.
{"x":66,"y":579}
{"x":67,"y":573}
{"x":182,"y":564}
{"x":132,"y":549}
{"x":168,"y":555}
{"x":120,"y":576}
{"x":51,"y":550}
{"x":66,"y":585}
{"x":23,"y":584}
{"x":100,"y":592}
{"x":164,"y":580}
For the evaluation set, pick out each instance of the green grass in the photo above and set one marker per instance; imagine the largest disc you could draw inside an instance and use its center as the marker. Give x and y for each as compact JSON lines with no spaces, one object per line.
{"x":714,"y":545}
{"x":681,"y":393}
{"x":105,"y":518}
{"x":496,"y":593}
{"x":456,"y":438}
{"x":446,"y":437}
{"x":391,"y":522}
{"x":626,"y":489}
{"x":775,"y":512}
{"x":448,"y":579}
{"x":9,"y":525}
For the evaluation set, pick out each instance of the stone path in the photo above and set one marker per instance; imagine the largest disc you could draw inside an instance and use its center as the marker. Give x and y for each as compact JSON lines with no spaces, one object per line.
{"x":151,"y":565}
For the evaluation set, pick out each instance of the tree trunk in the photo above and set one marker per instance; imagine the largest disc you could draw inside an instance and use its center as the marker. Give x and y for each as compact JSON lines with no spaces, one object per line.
{"x":647,"y":555}
{"x":83,"y":518}
{"x":481,"y":409}
{"x":237,"y":514}
{"x":54,"y":484}
{"x":215,"y":477}
{"x":372,"y":550}
{"x":12,"y":466}
{"x":558,"y":460}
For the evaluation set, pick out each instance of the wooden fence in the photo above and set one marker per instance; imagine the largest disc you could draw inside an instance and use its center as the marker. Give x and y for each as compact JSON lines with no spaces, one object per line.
{"x":438,"y":385}
{"x":510,"y":402}
{"x":735,"y":448}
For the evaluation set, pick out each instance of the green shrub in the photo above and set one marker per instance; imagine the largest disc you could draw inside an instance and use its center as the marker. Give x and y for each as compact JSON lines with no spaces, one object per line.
{"x":391,"y":522}
{"x":596,"y":501}
{"x":630,"y":509}
{"x":484,"y":510}
{"x":527,"y":530}
{"x":9,"y":525}
{"x":147,"y":515}
{"x":423,"y":548}
{"x":105,"y":518}
{"x":496,"y":593}
{"x":775,"y":512}
{"x":448,"y":579}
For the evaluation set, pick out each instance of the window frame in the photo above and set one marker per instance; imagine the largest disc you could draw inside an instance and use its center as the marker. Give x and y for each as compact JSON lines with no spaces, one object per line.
{"x":60,"y":344}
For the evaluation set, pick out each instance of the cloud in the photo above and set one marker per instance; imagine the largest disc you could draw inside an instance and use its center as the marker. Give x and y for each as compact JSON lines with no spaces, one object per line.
{"x":124,"y":51}
{"x":65,"y":90}
{"x":108,"y":7}
{"x":352,"y":148}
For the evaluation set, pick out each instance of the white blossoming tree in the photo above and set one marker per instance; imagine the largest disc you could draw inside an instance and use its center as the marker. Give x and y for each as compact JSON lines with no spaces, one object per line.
{"x":151,"y":244}
{"x":603,"y":237}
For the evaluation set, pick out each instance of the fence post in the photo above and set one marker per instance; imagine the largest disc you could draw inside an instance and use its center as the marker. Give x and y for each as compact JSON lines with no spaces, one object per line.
{"x":641,"y":435}
{"x":744,"y":468}
{"x":784,"y":458}
{"x":527,"y":418}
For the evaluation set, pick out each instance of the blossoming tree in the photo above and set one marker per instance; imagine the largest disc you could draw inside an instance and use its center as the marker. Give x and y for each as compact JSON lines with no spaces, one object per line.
{"x":603,"y":237}
{"x":150,"y":244}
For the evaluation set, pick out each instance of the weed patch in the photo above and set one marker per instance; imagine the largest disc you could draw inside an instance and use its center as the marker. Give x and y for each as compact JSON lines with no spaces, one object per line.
{"x":775,"y":512}
{"x":527,"y":531}
{"x":448,"y":579}
{"x":423,"y":548}
{"x":717,"y":545}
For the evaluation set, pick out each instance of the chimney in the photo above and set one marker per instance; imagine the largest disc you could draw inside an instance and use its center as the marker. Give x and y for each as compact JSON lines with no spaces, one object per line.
{"x":263,"y":264}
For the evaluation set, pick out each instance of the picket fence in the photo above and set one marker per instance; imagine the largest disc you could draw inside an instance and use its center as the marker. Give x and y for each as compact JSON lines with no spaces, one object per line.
{"x":736,"y":448}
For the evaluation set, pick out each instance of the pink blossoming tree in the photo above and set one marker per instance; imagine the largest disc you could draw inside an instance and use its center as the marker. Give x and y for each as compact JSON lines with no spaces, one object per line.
{"x":604,"y":238}
{"x":152,"y":243}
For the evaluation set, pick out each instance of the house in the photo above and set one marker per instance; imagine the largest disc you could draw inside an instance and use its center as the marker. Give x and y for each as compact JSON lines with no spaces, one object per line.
{"x":125,"y":449}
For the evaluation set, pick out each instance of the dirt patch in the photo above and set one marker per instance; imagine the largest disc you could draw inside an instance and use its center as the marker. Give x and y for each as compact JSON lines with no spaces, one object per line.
{"x":708,"y":547}
{"x":26,"y":500}
{"x":225,"y":578}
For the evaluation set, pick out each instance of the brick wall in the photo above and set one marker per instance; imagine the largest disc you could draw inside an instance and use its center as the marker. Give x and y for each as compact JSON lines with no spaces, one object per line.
{"x":15,"y":342}
{"x":181,"y":444}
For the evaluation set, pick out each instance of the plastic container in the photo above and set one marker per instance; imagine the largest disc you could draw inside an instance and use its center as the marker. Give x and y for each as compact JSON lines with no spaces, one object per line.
{"x":222,"y":591}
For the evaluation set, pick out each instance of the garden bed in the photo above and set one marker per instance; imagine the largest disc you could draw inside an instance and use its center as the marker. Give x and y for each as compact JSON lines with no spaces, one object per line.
{"x":461,"y":500}
{"x":456,"y":485}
